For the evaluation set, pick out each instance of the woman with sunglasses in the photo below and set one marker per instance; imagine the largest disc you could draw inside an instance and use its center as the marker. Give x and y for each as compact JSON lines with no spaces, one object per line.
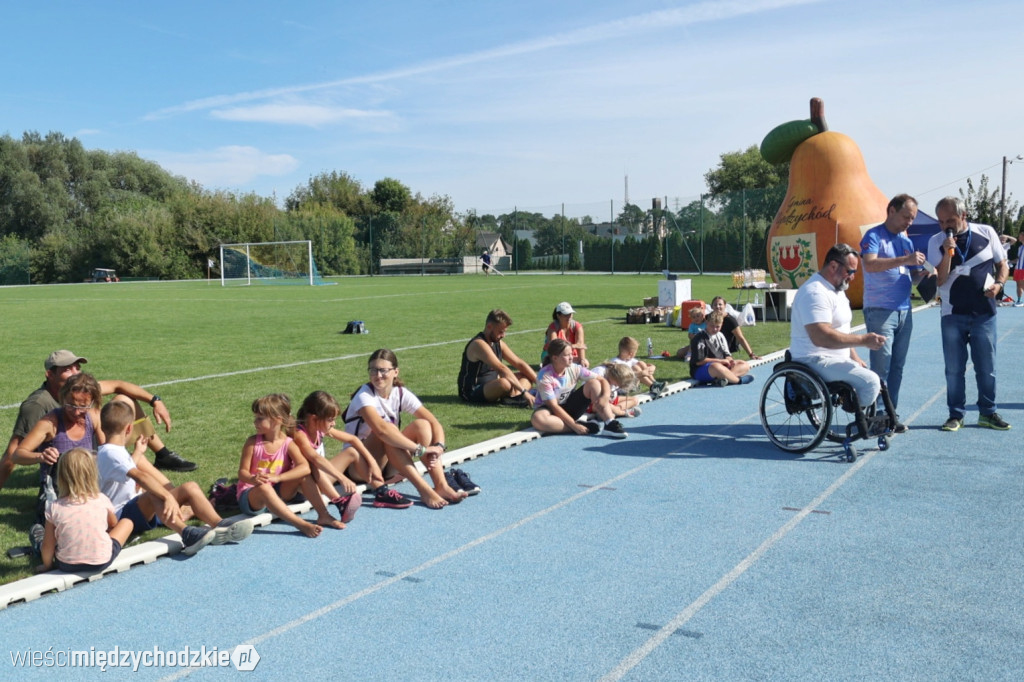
{"x":375,"y":417}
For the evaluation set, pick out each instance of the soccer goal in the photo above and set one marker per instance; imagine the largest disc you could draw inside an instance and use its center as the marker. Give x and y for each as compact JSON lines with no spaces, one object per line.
{"x":268,"y":263}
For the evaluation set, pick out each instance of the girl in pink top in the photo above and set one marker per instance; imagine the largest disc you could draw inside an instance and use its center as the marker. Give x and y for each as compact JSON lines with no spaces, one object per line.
{"x":272,"y":469}
{"x":564,"y":327}
{"x":82,"y":532}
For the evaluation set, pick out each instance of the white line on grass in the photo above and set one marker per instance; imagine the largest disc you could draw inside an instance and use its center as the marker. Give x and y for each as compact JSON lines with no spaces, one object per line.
{"x":317,"y":361}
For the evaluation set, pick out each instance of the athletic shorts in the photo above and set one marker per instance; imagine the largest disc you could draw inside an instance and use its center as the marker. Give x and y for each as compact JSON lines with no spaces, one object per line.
{"x":576,"y":404}
{"x":477,"y":395}
{"x":132,"y":512}
{"x":703,"y":374}
{"x":1018,"y":275}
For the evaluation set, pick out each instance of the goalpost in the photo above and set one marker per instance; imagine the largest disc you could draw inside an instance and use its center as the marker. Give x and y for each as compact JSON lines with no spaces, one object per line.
{"x":268,"y":263}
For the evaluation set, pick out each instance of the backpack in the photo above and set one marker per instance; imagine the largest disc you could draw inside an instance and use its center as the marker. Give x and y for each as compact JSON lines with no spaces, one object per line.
{"x":356,"y":327}
{"x":224,"y":496}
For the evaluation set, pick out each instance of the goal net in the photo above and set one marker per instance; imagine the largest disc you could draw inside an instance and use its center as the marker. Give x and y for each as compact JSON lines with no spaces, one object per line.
{"x":268,"y":263}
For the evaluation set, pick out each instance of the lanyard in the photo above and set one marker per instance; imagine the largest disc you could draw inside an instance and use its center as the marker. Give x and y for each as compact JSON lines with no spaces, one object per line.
{"x":967,"y":246}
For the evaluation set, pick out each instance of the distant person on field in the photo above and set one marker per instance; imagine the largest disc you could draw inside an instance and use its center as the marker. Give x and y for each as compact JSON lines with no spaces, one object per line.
{"x":644,"y":371}
{"x":375,"y":415}
{"x":1015,"y":259}
{"x":565,"y":390}
{"x":82,"y":532}
{"x":486,"y":258}
{"x":123,"y":474}
{"x":564,"y":327}
{"x":272,"y":470}
{"x":710,"y":360}
{"x":490,"y":371}
{"x":61,"y":365}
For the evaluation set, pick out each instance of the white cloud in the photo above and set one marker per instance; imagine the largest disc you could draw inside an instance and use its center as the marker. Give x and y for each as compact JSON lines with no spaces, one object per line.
{"x":311,"y":115}
{"x":228,"y":166}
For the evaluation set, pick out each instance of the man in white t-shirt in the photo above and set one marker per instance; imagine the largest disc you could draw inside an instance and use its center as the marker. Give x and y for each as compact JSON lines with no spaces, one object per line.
{"x":820,"y":326}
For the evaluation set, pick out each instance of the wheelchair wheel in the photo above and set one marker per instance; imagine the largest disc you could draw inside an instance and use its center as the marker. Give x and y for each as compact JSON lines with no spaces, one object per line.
{"x":796,"y":410}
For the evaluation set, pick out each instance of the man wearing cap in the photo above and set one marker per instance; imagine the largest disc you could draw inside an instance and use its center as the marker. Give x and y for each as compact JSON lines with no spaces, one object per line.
{"x":62,"y":365}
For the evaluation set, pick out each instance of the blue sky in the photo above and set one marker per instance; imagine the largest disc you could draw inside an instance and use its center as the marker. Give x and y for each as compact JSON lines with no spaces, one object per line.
{"x":526,"y":104}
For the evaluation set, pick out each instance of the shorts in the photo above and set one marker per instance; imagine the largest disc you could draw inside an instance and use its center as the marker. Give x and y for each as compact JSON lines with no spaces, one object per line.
{"x":703,"y":374}
{"x":1018,"y":275}
{"x":115,"y":549}
{"x":576,"y":404}
{"x":477,"y":395}
{"x":613,"y":401}
{"x":139,"y":521}
{"x":243,"y":501}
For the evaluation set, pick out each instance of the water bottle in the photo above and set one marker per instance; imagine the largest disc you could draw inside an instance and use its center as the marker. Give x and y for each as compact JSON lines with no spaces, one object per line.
{"x":650,"y":348}
{"x":757,"y":299}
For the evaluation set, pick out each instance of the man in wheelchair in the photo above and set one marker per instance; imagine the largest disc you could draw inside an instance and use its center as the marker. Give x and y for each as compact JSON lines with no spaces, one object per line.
{"x":820,"y":326}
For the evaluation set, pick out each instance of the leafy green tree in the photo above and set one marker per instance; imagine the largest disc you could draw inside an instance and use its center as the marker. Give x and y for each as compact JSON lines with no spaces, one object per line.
{"x":334,"y":188}
{"x":632,"y":218}
{"x":390,"y":195}
{"x":747,"y":170}
{"x":983,"y":206}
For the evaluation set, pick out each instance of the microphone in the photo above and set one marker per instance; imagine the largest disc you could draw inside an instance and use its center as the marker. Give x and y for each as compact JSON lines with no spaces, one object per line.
{"x":952,"y":235}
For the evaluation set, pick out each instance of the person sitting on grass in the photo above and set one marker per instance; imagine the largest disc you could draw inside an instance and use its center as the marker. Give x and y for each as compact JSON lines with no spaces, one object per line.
{"x":564,"y":391}
{"x":82,"y":532}
{"x":315,"y":421}
{"x":374,"y":416}
{"x":122,"y":474}
{"x":644,"y":370}
{"x":710,"y":360}
{"x":272,"y":470}
{"x":622,"y":381}
{"x":698,"y":322}
{"x":484,"y":376}
{"x":60,"y":366}
{"x":731,"y":329}
{"x":564,"y":327}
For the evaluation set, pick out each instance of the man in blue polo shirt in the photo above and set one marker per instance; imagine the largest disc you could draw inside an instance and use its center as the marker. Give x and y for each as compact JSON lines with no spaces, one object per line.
{"x":891,"y":266}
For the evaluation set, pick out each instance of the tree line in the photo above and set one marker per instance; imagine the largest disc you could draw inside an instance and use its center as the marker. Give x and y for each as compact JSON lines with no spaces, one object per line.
{"x":65,"y":210}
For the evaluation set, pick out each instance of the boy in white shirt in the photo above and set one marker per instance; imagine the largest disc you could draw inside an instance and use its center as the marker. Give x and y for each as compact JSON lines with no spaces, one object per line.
{"x":123,"y":474}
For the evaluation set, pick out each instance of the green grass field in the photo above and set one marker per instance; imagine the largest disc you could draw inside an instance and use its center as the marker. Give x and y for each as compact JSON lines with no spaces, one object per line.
{"x":210,"y":351}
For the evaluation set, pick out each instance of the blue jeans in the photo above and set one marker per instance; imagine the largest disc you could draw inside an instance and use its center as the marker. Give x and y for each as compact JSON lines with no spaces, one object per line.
{"x":978,"y":332}
{"x":887,"y":362}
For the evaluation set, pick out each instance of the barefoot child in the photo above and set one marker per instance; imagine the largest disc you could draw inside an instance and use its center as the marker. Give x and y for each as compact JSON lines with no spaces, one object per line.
{"x":374,"y":416}
{"x":82,"y":531}
{"x":272,"y":469}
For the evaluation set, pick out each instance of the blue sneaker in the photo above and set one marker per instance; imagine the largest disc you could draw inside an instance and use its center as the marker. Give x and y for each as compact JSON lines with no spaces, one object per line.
{"x":194,"y":538}
{"x":465,"y":483}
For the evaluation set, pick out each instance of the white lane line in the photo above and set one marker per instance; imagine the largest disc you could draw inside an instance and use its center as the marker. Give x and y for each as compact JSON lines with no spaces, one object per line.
{"x":355,"y":596}
{"x":640,"y":653}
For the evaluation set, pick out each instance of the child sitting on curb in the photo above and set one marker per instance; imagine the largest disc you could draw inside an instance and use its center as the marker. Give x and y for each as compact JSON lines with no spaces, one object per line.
{"x":710,"y":361}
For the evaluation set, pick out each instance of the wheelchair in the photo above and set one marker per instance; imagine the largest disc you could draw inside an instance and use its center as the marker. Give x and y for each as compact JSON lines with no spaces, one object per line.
{"x":799,"y":410}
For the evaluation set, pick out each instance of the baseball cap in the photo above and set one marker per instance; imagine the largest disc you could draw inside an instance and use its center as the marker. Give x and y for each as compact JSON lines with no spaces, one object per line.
{"x":62,"y":358}
{"x":564,"y":308}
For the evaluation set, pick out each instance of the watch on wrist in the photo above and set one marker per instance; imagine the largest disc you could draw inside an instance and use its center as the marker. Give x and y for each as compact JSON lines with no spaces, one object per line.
{"x":444,"y":448}
{"x":152,"y":401}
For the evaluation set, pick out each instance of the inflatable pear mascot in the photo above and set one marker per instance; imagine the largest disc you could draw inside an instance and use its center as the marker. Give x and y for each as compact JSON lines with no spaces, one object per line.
{"x":830,"y":199}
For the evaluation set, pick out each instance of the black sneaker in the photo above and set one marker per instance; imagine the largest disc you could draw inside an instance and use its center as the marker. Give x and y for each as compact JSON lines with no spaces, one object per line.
{"x":952,"y":424}
{"x":721,"y":383}
{"x":613,"y":429}
{"x":173,"y":462}
{"x":390,"y":498}
{"x":593,"y":428}
{"x":993,"y":421}
{"x":449,"y":477}
{"x":465,"y":483}
{"x":657,"y":388}
{"x":347,"y":506}
{"x":515,"y":401}
{"x":194,"y":538}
